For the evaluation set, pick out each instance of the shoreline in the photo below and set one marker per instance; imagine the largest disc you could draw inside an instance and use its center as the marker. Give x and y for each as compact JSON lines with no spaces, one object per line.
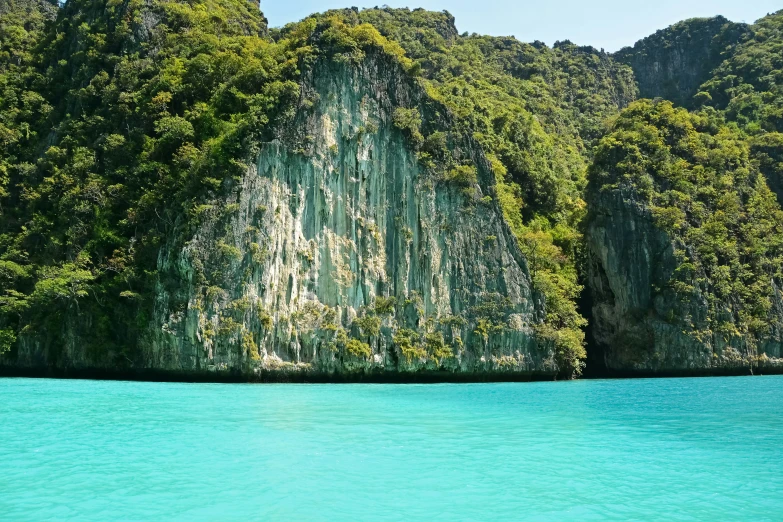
{"x":301,"y":377}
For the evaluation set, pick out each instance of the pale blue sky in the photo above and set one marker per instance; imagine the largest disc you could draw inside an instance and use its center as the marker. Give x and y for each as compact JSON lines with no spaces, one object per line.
{"x":610,"y":24}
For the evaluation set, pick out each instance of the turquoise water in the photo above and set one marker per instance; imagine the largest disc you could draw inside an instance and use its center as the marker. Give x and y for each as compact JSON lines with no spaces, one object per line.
{"x":677,"y":449}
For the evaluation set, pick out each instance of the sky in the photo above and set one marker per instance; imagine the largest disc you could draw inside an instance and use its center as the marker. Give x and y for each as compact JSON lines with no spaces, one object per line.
{"x":607,"y":24}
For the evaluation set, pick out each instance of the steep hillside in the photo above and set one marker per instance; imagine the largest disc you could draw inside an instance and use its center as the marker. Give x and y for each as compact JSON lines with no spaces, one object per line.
{"x":341,"y":252}
{"x":748,"y":84}
{"x":137,"y":112}
{"x":683,"y":236}
{"x":734,"y":68}
{"x":674,"y":62}
{"x":537,"y":112}
{"x":686,"y":242}
{"x":748,"y":89}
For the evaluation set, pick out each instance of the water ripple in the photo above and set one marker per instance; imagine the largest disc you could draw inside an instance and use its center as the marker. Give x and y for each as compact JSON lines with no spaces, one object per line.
{"x":676,"y":449}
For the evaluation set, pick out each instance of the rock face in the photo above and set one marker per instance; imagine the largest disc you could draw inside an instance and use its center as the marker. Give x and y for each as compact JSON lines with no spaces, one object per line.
{"x":674,"y":62}
{"x":340,"y":253}
{"x":639,"y":324}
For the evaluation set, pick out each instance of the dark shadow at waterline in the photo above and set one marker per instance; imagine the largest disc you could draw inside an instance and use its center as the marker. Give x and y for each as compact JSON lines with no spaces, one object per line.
{"x":373,"y":377}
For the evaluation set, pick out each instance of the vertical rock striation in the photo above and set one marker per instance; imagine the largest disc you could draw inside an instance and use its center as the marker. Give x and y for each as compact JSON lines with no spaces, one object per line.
{"x":630,"y":257}
{"x":340,"y":253}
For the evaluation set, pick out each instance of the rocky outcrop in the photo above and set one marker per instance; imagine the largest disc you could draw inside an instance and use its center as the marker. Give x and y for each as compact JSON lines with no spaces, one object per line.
{"x":341,"y":253}
{"x":639,"y":323}
{"x":674,"y":62}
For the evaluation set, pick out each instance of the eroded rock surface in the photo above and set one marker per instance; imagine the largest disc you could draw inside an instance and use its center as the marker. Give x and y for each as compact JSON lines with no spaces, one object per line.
{"x":341,"y":253}
{"x":639,"y":323}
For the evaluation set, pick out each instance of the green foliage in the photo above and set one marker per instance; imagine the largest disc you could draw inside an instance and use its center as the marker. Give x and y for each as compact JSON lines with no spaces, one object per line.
{"x":351,"y":41}
{"x":265,"y":319}
{"x":384,"y":305}
{"x":68,"y":283}
{"x":370,"y":325}
{"x":7,"y":339}
{"x":249,"y":345}
{"x":22,"y":108}
{"x":229,"y":252}
{"x":696,"y":175}
{"x":110,"y":129}
{"x":462,"y":175}
{"x":358,"y":348}
{"x":748,"y":89}
{"x":569,"y":345}
{"x":453,"y":321}
{"x":408,"y":342}
{"x":436,"y":346}
{"x":490,"y":314}
{"x":748,"y":85}
{"x":409,"y":120}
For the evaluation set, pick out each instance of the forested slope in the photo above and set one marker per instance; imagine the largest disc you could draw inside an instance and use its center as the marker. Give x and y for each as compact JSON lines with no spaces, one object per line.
{"x":180,"y":190}
{"x":684,"y":232}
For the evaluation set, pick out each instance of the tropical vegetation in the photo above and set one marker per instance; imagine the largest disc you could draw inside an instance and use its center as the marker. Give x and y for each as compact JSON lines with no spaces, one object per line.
{"x":119,"y":120}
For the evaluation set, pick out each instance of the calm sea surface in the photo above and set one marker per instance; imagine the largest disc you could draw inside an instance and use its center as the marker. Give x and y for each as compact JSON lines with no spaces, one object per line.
{"x":676,"y":449}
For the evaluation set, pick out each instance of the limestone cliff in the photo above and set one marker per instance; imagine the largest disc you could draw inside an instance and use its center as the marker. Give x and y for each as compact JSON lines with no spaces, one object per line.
{"x":639,"y":324}
{"x":341,"y":253}
{"x":186,"y":191}
{"x":682,"y":274}
{"x":297,"y":204}
{"x":674,"y":62}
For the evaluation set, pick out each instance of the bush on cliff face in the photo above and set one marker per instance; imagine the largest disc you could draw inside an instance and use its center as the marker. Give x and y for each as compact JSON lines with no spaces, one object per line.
{"x":696,"y":176}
